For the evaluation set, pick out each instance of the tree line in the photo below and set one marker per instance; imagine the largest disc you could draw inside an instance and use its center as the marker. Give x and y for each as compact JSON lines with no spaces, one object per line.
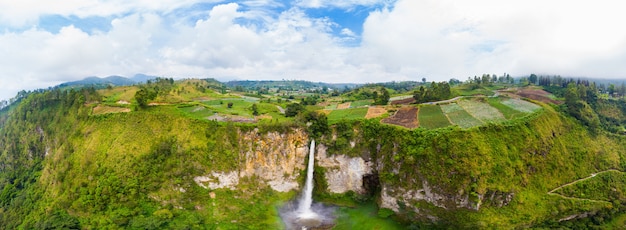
{"x":435,"y":92}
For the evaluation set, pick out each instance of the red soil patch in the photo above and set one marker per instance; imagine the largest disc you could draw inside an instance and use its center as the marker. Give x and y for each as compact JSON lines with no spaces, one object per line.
{"x":405,"y":116}
{"x":403,"y":101}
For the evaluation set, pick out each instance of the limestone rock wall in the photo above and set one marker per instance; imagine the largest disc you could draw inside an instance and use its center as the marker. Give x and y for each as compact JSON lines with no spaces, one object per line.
{"x":276,"y":158}
{"x":343,"y":173}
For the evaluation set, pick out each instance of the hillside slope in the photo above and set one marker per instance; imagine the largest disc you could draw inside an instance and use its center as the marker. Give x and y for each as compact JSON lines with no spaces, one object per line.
{"x":159,"y":168}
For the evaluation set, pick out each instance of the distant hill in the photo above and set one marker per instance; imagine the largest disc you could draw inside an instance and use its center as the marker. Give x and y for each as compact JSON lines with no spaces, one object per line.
{"x":286,"y":84}
{"x":142,"y":78}
{"x":110,"y":80}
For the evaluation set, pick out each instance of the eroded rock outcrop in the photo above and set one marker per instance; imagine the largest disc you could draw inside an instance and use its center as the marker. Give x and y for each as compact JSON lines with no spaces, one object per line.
{"x":276,"y":158}
{"x":343,"y":173}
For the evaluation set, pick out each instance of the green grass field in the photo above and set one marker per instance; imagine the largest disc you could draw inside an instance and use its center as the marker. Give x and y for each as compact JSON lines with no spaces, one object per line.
{"x":360,"y":103}
{"x":466,"y":90}
{"x":198,"y":111}
{"x":431,"y":117}
{"x":240,"y":107}
{"x":459,"y":116}
{"x":346,"y":114}
{"x":331,"y":107}
{"x":126,"y":93}
{"x":481,"y":111}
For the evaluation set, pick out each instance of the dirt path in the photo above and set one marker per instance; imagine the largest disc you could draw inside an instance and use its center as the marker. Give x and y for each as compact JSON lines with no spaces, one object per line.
{"x":280,"y":109}
{"x":551,"y":192}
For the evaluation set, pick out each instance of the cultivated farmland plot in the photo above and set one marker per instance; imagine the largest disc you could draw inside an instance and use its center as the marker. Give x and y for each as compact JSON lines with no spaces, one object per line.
{"x":361,"y":103}
{"x":405,"y":116}
{"x":508,"y":112}
{"x":431,"y":117}
{"x":459,"y":116}
{"x":481,"y":111}
{"x":346,"y":114}
{"x":521,"y":105}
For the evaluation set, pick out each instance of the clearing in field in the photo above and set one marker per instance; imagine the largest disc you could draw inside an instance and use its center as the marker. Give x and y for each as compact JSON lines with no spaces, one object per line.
{"x":102,"y":109}
{"x":375,"y":111}
{"x":431,"y":117}
{"x":199,"y":112}
{"x":521,"y":105}
{"x":405,"y":116}
{"x":459,"y":116}
{"x":122,"y":93}
{"x":346,"y":114}
{"x":481,"y":111}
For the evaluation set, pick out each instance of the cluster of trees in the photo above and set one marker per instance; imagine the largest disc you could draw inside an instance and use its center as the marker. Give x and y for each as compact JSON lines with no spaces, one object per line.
{"x":577,"y":97}
{"x":400,"y":87}
{"x":24,"y":140}
{"x":435,"y":92}
{"x":487,"y":79}
{"x":612,"y":89}
{"x":293,"y":109}
{"x":152,"y":89}
{"x":3,"y":104}
{"x":379,"y":94}
{"x":310,"y":100}
{"x":382,"y":98}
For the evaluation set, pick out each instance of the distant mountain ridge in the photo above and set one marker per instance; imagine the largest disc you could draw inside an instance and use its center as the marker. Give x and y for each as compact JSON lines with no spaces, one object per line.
{"x":110,"y":80}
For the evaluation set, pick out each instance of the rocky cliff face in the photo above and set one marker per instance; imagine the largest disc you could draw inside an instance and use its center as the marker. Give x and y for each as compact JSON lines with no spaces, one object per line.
{"x":276,"y":158}
{"x":343,"y":173}
{"x":279,"y":158}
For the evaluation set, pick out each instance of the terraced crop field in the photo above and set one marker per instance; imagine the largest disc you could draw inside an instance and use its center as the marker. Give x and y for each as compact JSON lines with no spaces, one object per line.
{"x":405,"y":116}
{"x":481,"y":111}
{"x":507,"y":112}
{"x":361,"y":103}
{"x":346,"y":114}
{"x":459,"y":116}
{"x":431,"y":117}
{"x":521,"y":105}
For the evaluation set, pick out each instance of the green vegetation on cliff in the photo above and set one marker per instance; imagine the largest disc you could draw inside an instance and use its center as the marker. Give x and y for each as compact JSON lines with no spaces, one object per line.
{"x":63,"y":164}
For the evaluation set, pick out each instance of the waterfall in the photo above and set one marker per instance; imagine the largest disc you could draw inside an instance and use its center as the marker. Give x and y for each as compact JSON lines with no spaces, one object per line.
{"x":304,"y":209}
{"x":305,"y":214}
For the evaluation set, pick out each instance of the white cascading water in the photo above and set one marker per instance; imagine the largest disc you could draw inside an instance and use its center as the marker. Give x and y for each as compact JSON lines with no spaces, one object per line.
{"x":307,"y":215}
{"x":304,"y":209}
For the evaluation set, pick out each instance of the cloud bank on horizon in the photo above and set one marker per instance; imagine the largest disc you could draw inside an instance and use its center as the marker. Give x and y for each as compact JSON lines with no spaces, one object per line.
{"x":45,"y":43}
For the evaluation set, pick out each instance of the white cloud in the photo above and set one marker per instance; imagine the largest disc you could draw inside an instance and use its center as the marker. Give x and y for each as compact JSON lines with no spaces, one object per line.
{"x":436,"y":39}
{"x":24,"y":12}
{"x":446,"y":39}
{"x":340,"y":3}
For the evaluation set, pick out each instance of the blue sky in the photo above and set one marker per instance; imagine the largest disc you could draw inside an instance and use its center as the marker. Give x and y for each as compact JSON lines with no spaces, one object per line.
{"x":44,"y":43}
